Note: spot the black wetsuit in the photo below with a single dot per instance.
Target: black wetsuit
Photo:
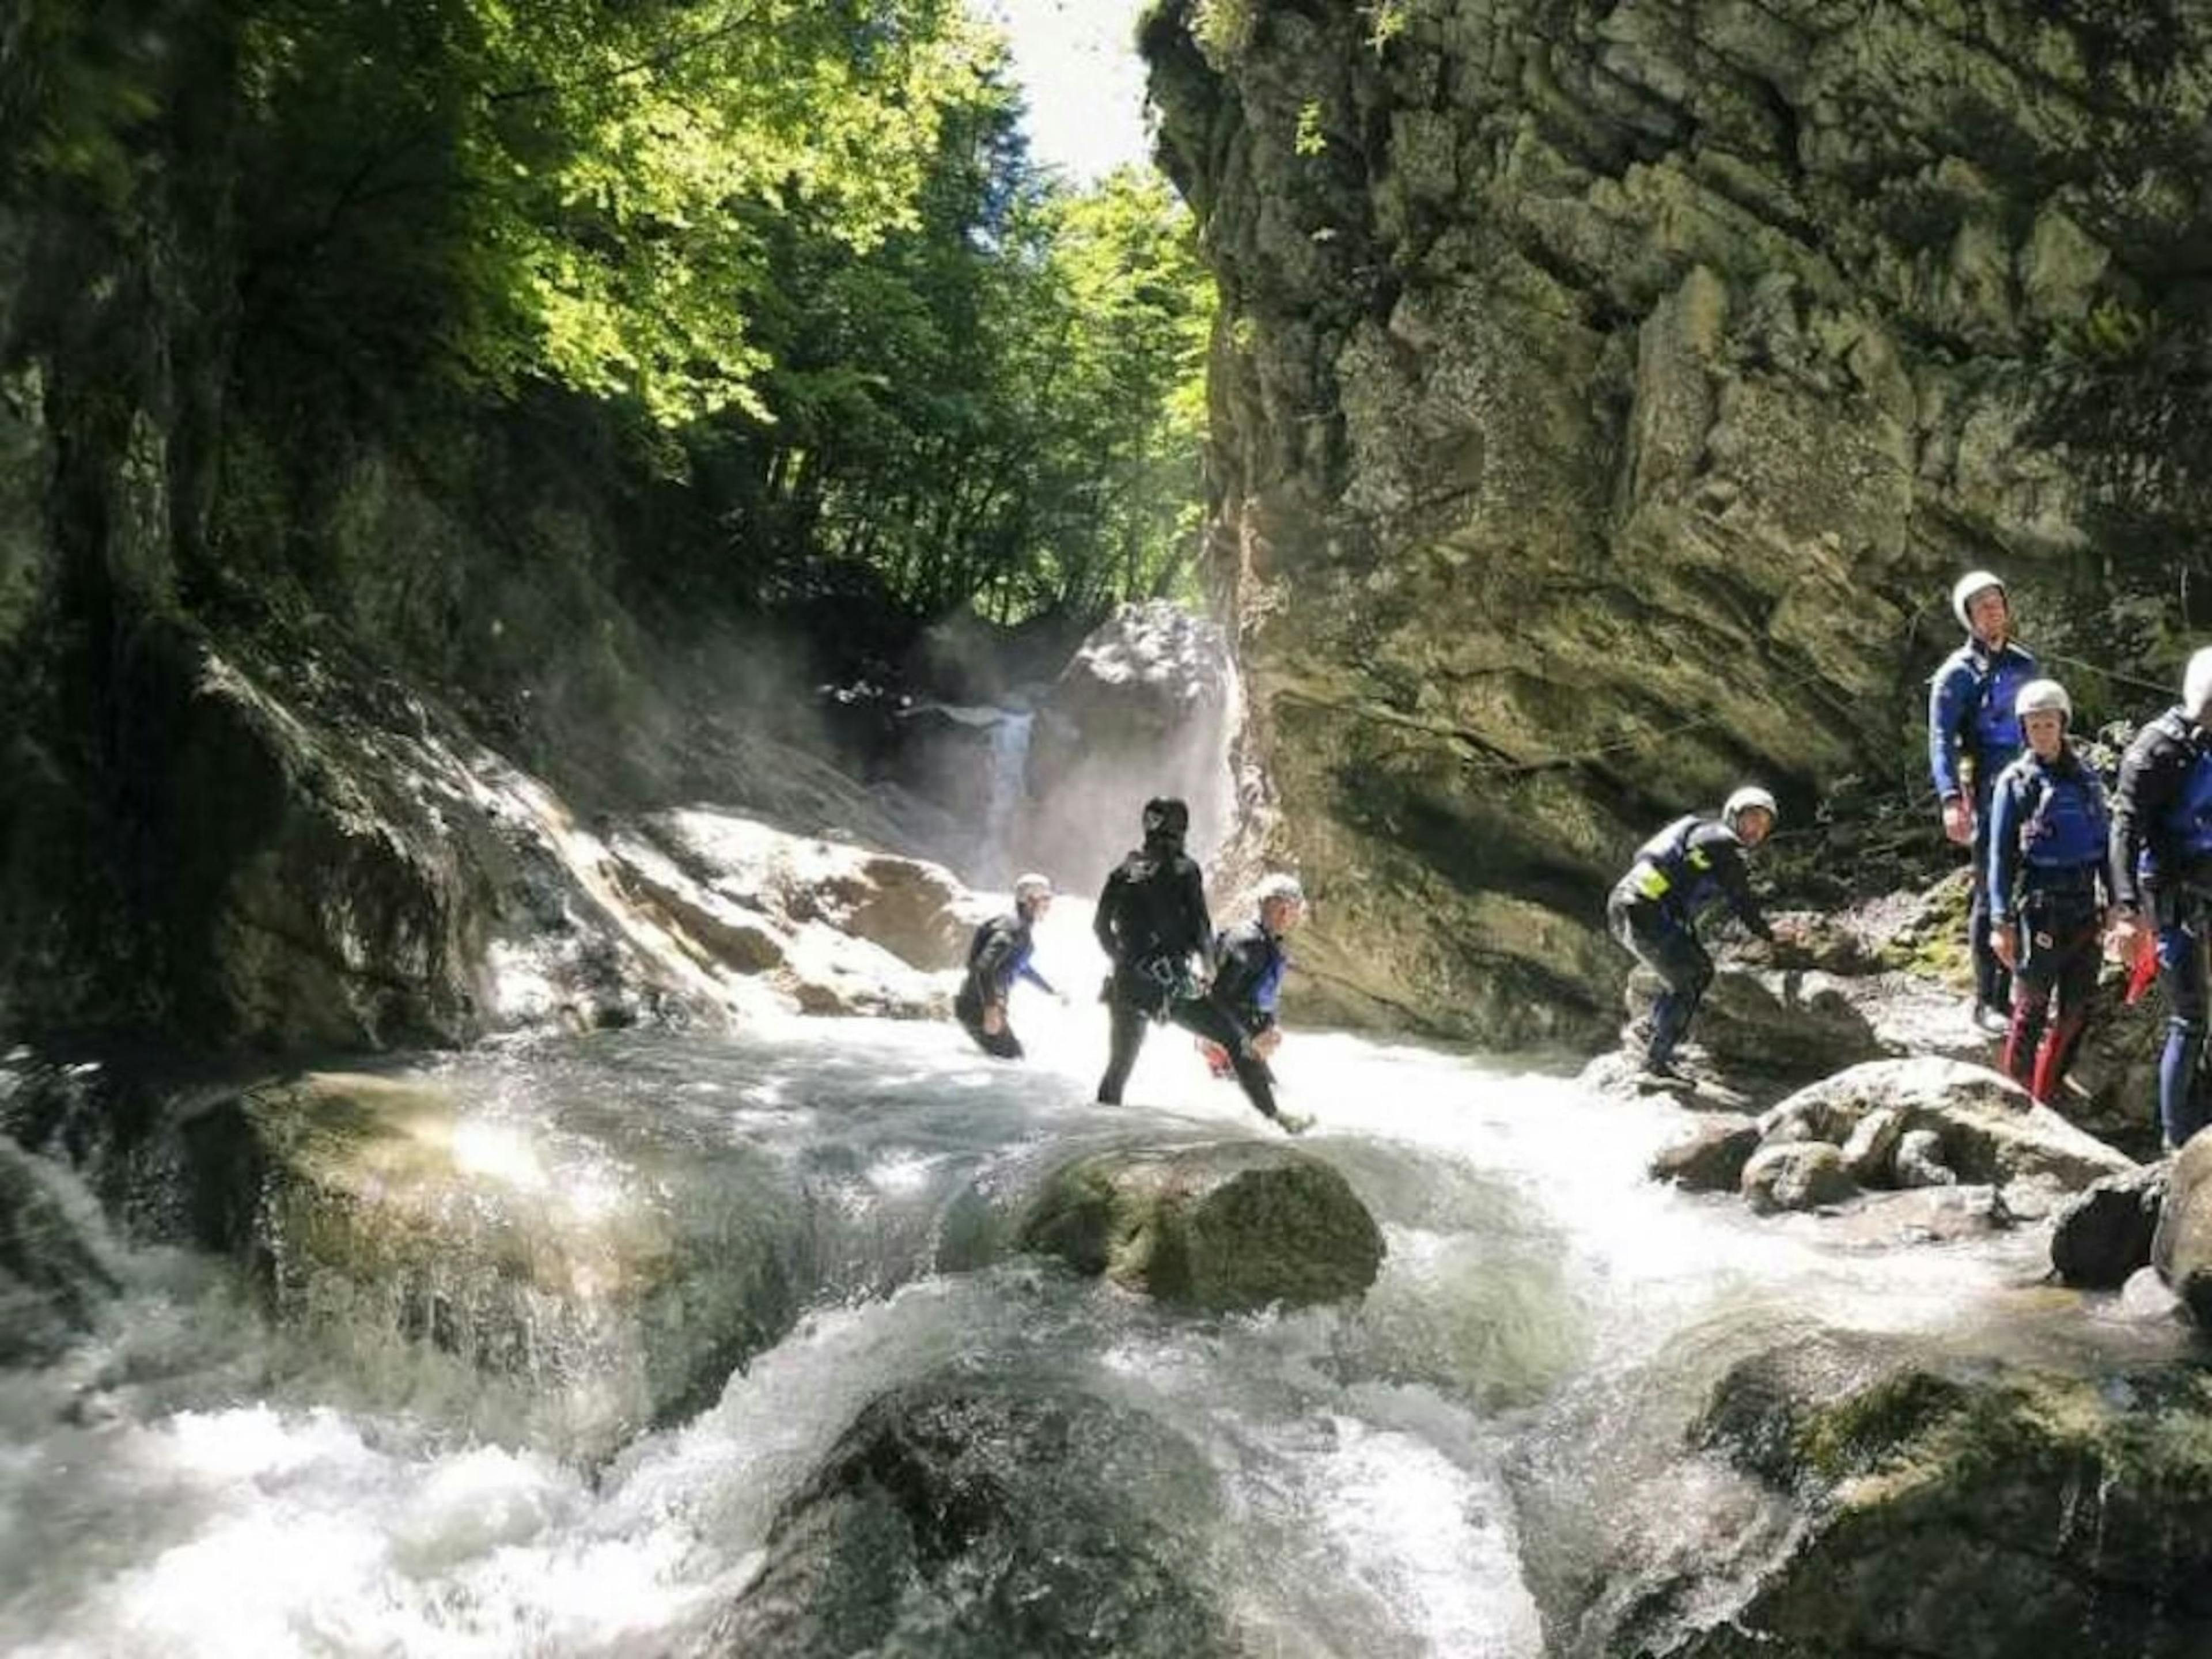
(997, 957)
(1249, 974)
(1693, 866)
(1151, 919)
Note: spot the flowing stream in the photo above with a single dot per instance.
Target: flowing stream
(1392, 1478)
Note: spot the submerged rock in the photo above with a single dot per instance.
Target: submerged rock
(385, 1214)
(1225, 1227)
(52, 1279)
(955, 1516)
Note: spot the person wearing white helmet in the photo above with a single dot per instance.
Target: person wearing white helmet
(2159, 866)
(1689, 869)
(2049, 834)
(1248, 983)
(1973, 734)
(998, 955)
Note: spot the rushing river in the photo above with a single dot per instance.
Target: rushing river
(1392, 1478)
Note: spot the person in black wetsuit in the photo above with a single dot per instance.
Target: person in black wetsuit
(998, 956)
(1693, 865)
(1151, 920)
(2159, 868)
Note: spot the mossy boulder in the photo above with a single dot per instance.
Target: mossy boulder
(1975, 1511)
(1224, 1227)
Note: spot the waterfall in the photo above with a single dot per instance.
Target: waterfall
(1008, 790)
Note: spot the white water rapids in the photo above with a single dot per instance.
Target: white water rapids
(186, 1484)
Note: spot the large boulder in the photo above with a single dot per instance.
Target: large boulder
(1607, 393)
(1144, 710)
(2101, 1236)
(2182, 1249)
(1990, 1132)
(602, 1288)
(955, 1516)
(1971, 1509)
(1224, 1227)
(1796, 1175)
(1774, 1023)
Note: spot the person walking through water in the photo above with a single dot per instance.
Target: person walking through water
(2160, 871)
(1248, 980)
(2049, 836)
(1973, 734)
(998, 955)
(1692, 866)
(1151, 920)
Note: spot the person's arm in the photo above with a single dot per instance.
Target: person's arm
(1948, 694)
(2149, 772)
(2004, 849)
(1103, 918)
(1028, 971)
(1235, 970)
(1201, 918)
(1727, 855)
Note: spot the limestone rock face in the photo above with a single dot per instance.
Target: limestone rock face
(1606, 394)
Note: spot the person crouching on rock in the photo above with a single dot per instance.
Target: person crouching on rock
(1247, 980)
(2049, 834)
(2160, 870)
(998, 956)
(1692, 867)
(1151, 920)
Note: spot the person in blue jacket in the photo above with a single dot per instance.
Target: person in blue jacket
(998, 955)
(1247, 980)
(1692, 866)
(2160, 870)
(2049, 832)
(1973, 734)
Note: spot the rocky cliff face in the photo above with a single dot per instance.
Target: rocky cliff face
(1608, 393)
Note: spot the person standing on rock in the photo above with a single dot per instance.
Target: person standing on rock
(998, 956)
(2160, 869)
(2049, 836)
(1692, 866)
(1151, 920)
(1973, 734)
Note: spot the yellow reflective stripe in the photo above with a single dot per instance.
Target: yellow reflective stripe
(1650, 881)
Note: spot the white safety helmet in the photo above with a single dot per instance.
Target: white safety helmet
(1281, 885)
(1032, 886)
(1963, 591)
(2038, 696)
(1744, 800)
(2196, 685)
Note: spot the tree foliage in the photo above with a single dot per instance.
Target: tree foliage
(800, 240)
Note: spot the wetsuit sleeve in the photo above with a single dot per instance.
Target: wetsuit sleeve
(1201, 919)
(1948, 696)
(2150, 772)
(1104, 918)
(1735, 884)
(2005, 848)
(1030, 973)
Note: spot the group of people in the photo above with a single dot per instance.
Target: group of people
(1168, 964)
(2062, 873)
